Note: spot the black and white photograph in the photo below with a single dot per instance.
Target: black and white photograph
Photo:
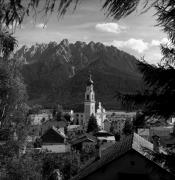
(87, 89)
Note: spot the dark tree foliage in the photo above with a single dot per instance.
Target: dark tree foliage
(128, 127)
(170, 162)
(111, 129)
(92, 124)
(139, 120)
(157, 97)
(24, 167)
(117, 136)
(67, 117)
(55, 161)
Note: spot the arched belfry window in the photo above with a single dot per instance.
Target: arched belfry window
(87, 97)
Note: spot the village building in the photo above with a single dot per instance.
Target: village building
(126, 159)
(101, 115)
(82, 118)
(118, 124)
(74, 131)
(165, 133)
(118, 117)
(53, 122)
(55, 141)
(84, 142)
(120, 114)
(39, 118)
(144, 132)
(38, 130)
(161, 130)
(107, 125)
(104, 136)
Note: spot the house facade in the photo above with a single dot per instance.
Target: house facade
(126, 160)
(55, 141)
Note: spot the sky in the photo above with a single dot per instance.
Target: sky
(135, 34)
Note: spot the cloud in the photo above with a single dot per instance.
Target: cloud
(157, 42)
(153, 56)
(110, 27)
(41, 25)
(135, 44)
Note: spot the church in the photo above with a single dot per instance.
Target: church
(90, 108)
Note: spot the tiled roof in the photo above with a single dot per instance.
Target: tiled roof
(133, 141)
(53, 135)
(83, 138)
(58, 132)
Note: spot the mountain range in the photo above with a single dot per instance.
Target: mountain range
(57, 73)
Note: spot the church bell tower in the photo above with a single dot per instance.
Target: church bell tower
(89, 103)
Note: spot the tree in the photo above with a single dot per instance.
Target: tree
(58, 113)
(67, 117)
(156, 99)
(24, 167)
(92, 124)
(128, 127)
(55, 161)
(112, 128)
(139, 120)
(159, 79)
(37, 143)
(117, 136)
(170, 161)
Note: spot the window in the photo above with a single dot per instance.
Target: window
(87, 97)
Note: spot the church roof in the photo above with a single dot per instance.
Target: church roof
(131, 142)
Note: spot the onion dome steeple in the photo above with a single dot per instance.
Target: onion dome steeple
(89, 81)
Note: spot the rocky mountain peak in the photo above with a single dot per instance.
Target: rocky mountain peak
(80, 44)
(64, 42)
(58, 72)
(91, 45)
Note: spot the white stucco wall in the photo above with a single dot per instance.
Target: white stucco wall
(58, 148)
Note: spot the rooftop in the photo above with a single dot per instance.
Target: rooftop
(103, 133)
(83, 138)
(133, 141)
(53, 135)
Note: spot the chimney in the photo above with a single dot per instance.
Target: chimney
(156, 143)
